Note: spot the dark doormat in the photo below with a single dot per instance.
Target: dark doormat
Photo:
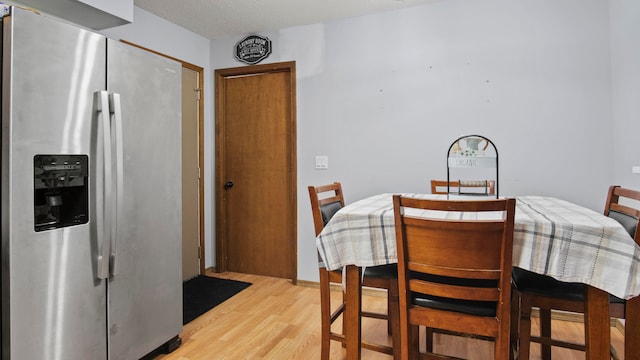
(203, 293)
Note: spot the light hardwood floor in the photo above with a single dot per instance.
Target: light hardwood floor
(273, 319)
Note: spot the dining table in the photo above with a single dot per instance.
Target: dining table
(552, 237)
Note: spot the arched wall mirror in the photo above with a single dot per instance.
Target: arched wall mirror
(472, 167)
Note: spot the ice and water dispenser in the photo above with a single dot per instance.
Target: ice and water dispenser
(61, 184)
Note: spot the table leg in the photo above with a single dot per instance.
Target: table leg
(597, 331)
(352, 312)
(632, 328)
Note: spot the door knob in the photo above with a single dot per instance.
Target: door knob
(228, 185)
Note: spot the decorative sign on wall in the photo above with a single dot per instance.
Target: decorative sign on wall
(473, 161)
(253, 49)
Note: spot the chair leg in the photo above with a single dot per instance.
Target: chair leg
(515, 322)
(414, 343)
(389, 306)
(545, 333)
(429, 339)
(501, 346)
(524, 338)
(325, 314)
(344, 318)
(393, 310)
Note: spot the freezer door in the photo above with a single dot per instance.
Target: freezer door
(145, 291)
(53, 305)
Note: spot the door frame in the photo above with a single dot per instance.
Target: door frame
(221, 220)
(200, 72)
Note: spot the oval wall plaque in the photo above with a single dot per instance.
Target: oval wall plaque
(253, 49)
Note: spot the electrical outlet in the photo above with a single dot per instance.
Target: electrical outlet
(635, 169)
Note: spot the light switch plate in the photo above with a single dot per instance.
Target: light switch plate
(635, 169)
(322, 162)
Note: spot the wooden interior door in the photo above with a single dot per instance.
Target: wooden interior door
(190, 175)
(256, 214)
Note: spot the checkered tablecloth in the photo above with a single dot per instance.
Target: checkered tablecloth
(551, 236)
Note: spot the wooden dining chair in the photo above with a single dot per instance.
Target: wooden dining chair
(440, 186)
(454, 274)
(326, 200)
(469, 187)
(547, 293)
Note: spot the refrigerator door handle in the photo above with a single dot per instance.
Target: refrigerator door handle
(103, 176)
(116, 138)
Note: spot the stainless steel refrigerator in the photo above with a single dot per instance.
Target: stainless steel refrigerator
(91, 194)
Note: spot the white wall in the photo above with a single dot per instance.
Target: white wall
(535, 76)
(554, 83)
(549, 81)
(625, 60)
(385, 95)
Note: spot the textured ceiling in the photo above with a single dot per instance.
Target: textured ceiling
(215, 19)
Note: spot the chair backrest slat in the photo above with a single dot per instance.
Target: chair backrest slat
(624, 212)
(485, 187)
(326, 200)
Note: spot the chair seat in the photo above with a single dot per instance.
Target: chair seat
(479, 308)
(389, 271)
(542, 285)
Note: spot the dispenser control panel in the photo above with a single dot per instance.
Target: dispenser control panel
(61, 189)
